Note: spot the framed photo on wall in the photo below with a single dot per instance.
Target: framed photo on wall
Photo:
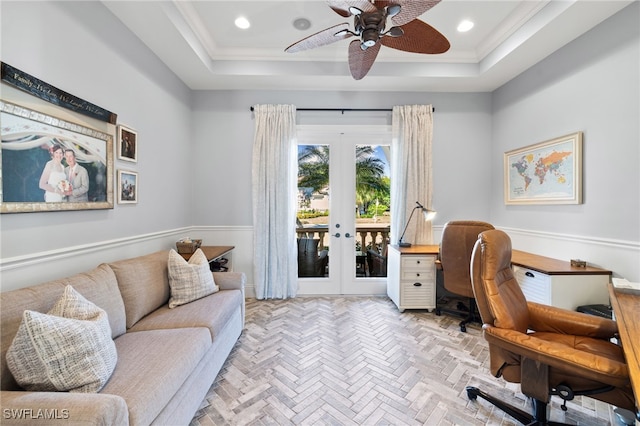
(127, 144)
(548, 172)
(51, 164)
(127, 187)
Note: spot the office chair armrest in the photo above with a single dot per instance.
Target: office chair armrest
(563, 321)
(582, 363)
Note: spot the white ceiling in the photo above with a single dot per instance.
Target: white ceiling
(199, 42)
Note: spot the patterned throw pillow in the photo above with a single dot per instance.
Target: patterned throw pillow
(191, 280)
(68, 349)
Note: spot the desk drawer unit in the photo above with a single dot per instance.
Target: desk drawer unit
(411, 281)
(566, 291)
(535, 285)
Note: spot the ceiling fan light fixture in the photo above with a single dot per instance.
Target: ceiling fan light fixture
(242, 23)
(465, 25)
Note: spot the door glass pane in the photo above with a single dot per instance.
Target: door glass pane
(373, 199)
(312, 223)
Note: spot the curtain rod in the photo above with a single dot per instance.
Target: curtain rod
(345, 109)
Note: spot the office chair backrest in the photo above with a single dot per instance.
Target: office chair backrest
(458, 239)
(498, 295)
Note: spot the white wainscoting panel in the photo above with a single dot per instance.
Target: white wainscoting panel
(35, 268)
(621, 257)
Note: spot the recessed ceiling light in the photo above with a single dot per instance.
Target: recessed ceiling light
(242, 23)
(465, 26)
(302, 24)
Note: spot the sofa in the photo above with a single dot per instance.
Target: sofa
(167, 359)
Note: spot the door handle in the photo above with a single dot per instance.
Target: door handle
(337, 235)
(348, 235)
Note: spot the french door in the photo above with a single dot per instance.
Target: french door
(343, 209)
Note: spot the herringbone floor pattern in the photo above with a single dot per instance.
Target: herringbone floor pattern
(359, 361)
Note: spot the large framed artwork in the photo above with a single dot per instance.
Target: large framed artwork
(50, 164)
(548, 172)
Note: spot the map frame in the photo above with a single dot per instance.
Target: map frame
(516, 190)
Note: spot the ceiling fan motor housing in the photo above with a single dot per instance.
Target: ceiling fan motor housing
(369, 26)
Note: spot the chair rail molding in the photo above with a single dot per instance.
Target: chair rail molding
(39, 267)
(622, 257)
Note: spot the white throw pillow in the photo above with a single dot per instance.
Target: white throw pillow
(68, 349)
(190, 280)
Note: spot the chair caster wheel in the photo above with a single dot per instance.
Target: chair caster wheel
(472, 392)
(463, 329)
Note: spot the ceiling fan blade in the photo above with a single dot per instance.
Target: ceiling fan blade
(410, 9)
(341, 7)
(360, 61)
(419, 37)
(322, 38)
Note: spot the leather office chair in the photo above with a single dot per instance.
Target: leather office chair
(310, 262)
(548, 350)
(458, 238)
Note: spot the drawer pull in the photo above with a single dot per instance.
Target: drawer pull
(529, 274)
(418, 262)
(417, 284)
(417, 274)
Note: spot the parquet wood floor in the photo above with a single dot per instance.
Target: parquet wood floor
(359, 361)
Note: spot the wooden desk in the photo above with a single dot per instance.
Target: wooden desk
(626, 307)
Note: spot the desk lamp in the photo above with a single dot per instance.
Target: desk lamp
(428, 215)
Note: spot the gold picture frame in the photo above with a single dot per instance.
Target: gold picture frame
(548, 172)
(32, 143)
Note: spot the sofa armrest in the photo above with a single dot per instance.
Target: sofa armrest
(230, 280)
(62, 408)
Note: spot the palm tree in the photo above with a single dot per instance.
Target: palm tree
(313, 172)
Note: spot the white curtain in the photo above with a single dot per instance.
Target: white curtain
(274, 196)
(411, 176)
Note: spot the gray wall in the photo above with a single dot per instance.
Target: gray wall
(81, 48)
(223, 134)
(593, 86)
(195, 147)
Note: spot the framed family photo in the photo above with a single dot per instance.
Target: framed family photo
(127, 187)
(51, 164)
(548, 172)
(127, 144)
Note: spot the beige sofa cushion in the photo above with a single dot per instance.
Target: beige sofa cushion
(152, 366)
(213, 312)
(68, 349)
(98, 286)
(144, 284)
(190, 280)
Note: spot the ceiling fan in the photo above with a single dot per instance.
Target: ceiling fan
(369, 24)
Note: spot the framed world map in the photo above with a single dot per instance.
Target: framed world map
(548, 172)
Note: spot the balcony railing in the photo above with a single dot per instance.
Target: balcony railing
(366, 234)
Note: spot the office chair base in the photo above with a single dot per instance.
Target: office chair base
(539, 416)
(470, 314)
